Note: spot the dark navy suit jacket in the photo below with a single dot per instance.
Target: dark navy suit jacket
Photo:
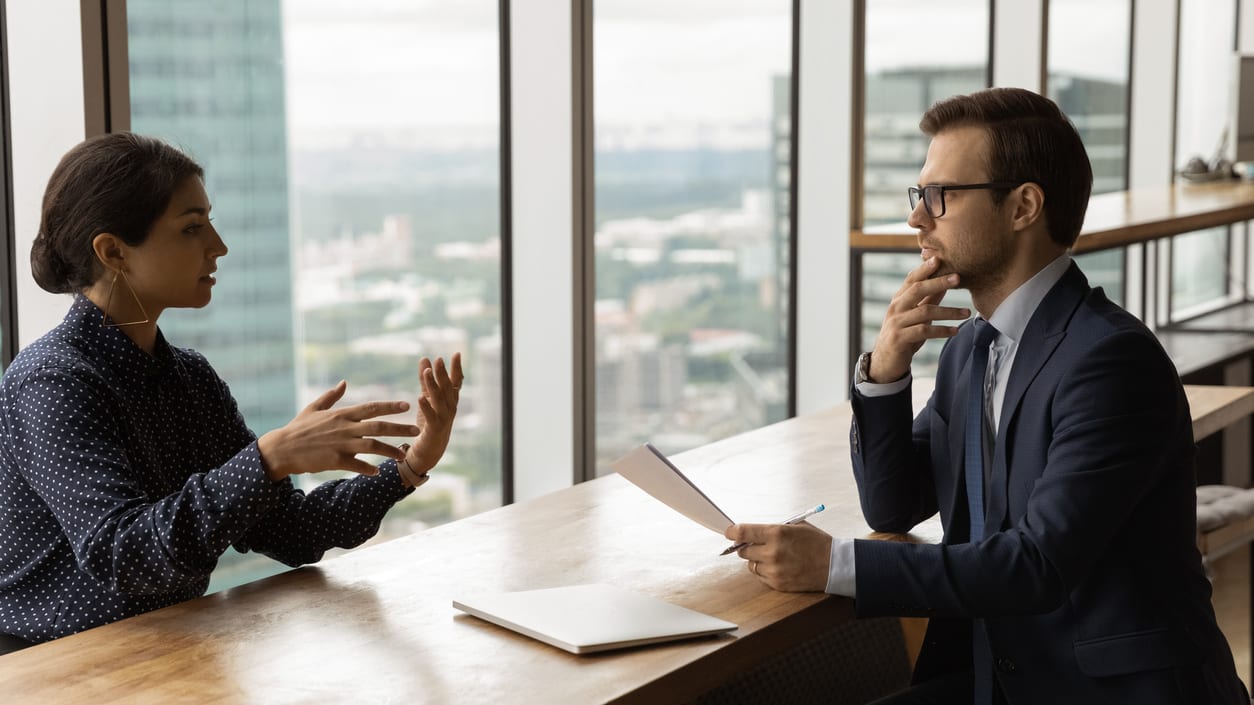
(1089, 579)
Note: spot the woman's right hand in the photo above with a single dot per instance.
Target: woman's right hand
(322, 438)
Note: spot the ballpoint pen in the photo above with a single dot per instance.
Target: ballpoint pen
(796, 519)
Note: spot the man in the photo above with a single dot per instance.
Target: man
(1058, 449)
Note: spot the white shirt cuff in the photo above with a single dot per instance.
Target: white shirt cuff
(872, 389)
(840, 571)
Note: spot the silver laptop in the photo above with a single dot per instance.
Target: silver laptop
(584, 619)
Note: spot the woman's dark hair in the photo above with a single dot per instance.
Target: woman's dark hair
(118, 183)
(1030, 139)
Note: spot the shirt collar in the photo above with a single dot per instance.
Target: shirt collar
(116, 347)
(1012, 316)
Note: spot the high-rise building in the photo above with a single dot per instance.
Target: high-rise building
(208, 78)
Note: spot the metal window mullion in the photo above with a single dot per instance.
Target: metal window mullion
(8, 273)
(583, 264)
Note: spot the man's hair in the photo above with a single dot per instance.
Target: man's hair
(1030, 139)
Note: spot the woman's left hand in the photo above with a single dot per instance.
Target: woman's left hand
(437, 407)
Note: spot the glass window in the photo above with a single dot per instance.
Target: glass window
(352, 157)
(1199, 264)
(1088, 67)
(1088, 78)
(692, 130)
(1199, 270)
(916, 54)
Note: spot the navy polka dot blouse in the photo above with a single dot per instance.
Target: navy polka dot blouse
(124, 476)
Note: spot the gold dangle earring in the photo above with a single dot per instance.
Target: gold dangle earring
(109, 299)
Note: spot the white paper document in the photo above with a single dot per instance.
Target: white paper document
(649, 470)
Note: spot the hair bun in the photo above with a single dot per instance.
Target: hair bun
(47, 267)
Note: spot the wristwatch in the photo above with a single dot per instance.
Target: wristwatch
(863, 372)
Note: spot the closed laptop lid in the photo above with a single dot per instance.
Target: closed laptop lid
(588, 618)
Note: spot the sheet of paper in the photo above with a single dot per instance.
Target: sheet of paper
(649, 470)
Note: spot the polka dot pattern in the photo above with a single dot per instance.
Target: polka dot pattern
(124, 477)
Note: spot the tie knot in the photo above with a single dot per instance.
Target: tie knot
(984, 333)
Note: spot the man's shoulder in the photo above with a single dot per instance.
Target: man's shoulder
(1103, 334)
(1098, 317)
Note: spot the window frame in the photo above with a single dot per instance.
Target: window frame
(1236, 290)
(584, 216)
(8, 254)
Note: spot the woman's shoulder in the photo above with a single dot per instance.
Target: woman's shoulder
(58, 348)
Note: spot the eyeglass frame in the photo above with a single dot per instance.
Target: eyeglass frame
(919, 193)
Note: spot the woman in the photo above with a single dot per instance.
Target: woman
(126, 469)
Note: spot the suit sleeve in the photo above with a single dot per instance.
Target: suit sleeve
(1118, 423)
(891, 461)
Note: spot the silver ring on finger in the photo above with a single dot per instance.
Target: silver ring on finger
(753, 567)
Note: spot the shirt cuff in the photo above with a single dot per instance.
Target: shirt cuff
(241, 485)
(841, 579)
(872, 389)
(389, 478)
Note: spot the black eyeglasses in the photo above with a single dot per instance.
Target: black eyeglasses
(933, 195)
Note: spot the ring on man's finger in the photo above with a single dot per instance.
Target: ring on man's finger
(753, 567)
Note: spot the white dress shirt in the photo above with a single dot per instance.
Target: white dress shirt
(1010, 319)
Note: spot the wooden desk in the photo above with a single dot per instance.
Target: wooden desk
(377, 625)
(1116, 219)
(1215, 407)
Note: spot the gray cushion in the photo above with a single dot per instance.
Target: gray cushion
(1218, 505)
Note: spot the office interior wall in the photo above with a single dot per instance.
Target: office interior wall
(545, 365)
(47, 108)
(1245, 26)
(1152, 126)
(1018, 44)
(823, 202)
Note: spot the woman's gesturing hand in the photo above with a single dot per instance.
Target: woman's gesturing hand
(322, 438)
(437, 407)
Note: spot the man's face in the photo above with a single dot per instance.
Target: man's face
(973, 238)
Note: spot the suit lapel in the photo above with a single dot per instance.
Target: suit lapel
(1045, 330)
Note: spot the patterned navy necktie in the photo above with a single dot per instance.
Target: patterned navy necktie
(974, 449)
(982, 657)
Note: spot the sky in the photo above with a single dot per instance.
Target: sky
(428, 69)
(433, 64)
(390, 64)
